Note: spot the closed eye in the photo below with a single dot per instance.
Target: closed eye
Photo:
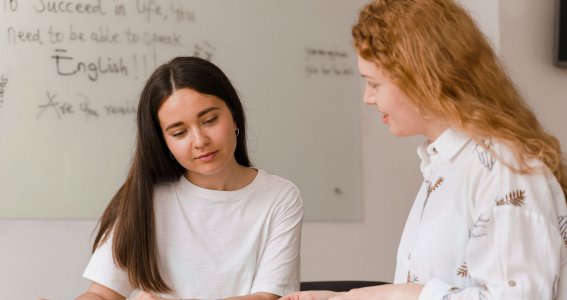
(372, 85)
(211, 120)
(178, 133)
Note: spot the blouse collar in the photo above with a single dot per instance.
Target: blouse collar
(443, 149)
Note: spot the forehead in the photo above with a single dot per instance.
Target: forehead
(189, 100)
(369, 68)
(187, 104)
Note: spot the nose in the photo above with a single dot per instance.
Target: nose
(369, 97)
(200, 138)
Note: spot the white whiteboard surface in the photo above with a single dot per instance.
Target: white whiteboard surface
(66, 135)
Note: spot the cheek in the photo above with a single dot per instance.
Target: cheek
(175, 146)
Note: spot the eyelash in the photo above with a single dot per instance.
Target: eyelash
(372, 85)
(209, 121)
(178, 133)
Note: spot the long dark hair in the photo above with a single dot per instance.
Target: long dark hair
(130, 214)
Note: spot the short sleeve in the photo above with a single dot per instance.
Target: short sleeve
(102, 269)
(278, 268)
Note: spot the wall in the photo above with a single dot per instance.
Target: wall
(46, 258)
(527, 32)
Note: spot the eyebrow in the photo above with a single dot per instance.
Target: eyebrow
(206, 111)
(173, 125)
(200, 114)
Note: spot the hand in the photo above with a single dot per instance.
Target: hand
(383, 292)
(310, 295)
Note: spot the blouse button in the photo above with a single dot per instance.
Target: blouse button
(512, 283)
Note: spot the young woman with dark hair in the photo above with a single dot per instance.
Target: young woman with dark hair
(193, 219)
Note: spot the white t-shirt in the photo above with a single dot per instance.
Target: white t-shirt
(479, 230)
(215, 244)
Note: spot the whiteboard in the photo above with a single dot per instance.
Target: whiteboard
(71, 72)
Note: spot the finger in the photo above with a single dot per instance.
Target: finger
(294, 296)
(342, 296)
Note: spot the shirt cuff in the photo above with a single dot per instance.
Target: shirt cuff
(434, 289)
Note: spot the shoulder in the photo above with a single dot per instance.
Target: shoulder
(275, 182)
(165, 195)
(164, 188)
(489, 156)
(498, 181)
(283, 192)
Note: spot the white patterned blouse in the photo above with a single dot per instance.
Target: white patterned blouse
(480, 230)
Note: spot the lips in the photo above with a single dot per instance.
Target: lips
(207, 156)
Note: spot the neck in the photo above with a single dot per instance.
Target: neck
(435, 130)
(232, 177)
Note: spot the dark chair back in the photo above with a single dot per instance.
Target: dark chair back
(337, 286)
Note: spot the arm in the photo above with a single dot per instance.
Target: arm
(311, 295)
(150, 296)
(381, 292)
(100, 292)
(255, 296)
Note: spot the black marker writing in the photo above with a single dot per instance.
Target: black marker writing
(119, 10)
(204, 51)
(153, 39)
(59, 108)
(86, 109)
(150, 8)
(15, 35)
(66, 65)
(181, 14)
(104, 35)
(128, 108)
(327, 62)
(55, 36)
(10, 5)
(331, 54)
(3, 84)
(69, 7)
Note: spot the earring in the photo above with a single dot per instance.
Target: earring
(237, 131)
(171, 156)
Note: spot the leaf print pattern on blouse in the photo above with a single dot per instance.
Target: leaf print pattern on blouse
(463, 271)
(452, 291)
(483, 291)
(484, 154)
(515, 198)
(563, 228)
(412, 278)
(430, 190)
(479, 227)
(435, 186)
